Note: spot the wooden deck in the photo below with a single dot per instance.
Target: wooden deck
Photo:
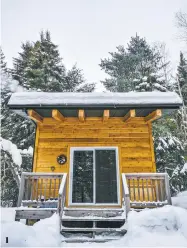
(42, 194)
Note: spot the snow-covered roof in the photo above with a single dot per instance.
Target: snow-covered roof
(131, 99)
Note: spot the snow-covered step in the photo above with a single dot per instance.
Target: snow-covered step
(92, 229)
(89, 240)
(90, 209)
(82, 212)
(93, 218)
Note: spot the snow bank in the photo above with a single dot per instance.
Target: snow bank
(180, 200)
(8, 146)
(166, 226)
(184, 168)
(42, 234)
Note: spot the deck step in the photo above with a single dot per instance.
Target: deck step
(83, 212)
(93, 218)
(92, 209)
(88, 240)
(92, 229)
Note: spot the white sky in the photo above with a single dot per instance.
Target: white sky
(86, 30)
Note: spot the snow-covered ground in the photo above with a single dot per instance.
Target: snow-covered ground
(180, 200)
(166, 227)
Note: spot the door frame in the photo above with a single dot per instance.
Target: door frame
(93, 148)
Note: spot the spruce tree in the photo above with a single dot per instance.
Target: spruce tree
(169, 151)
(40, 67)
(20, 132)
(182, 77)
(3, 63)
(20, 63)
(139, 67)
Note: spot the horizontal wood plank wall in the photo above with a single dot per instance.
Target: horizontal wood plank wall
(134, 140)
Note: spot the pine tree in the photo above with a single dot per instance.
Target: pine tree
(3, 63)
(150, 83)
(169, 152)
(75, 82)
(137, 68)
(39, 67)
(17, 130)
(141, 67)
(20, 63)
(182, 77)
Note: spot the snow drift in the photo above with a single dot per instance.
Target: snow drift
(166, 226)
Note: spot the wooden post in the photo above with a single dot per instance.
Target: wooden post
(21, 190)
(126, 194)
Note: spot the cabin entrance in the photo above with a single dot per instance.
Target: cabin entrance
(94, 176)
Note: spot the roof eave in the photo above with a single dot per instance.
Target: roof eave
(97, 106)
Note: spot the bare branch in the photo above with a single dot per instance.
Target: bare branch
(181, 23)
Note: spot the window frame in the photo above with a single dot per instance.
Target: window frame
(94, 148)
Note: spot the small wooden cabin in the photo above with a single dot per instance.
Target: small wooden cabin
(100, 144)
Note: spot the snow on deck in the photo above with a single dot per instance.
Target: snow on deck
(66, 99)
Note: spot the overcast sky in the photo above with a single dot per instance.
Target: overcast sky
(86, 30)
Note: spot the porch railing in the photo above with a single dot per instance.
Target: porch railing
(40, 189)
(62, 199)
(146, 189)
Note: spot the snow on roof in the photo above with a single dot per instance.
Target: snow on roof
(94, 99)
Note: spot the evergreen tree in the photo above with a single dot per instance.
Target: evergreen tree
(182, 77)
(169, 153)
(20, 63)
(141, 67)
(3, 63)
(137, 68)
(17, 130)
(39, 67)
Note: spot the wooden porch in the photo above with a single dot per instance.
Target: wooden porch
(45, 193)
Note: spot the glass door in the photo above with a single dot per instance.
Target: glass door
(94, 176)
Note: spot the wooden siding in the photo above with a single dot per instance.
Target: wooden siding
(133, 139)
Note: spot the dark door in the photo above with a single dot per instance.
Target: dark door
(94, 176)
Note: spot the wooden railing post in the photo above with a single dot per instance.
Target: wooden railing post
(21, 189)
(61, 199)
(168, 195)
(126, 194)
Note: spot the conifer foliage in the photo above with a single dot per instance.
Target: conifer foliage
(14, 129)
(139, 67)
(182, 77)
(39, 67)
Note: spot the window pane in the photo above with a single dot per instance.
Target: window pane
(106, 180)
(82, 177)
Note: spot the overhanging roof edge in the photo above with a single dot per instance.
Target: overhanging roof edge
(96, 106)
